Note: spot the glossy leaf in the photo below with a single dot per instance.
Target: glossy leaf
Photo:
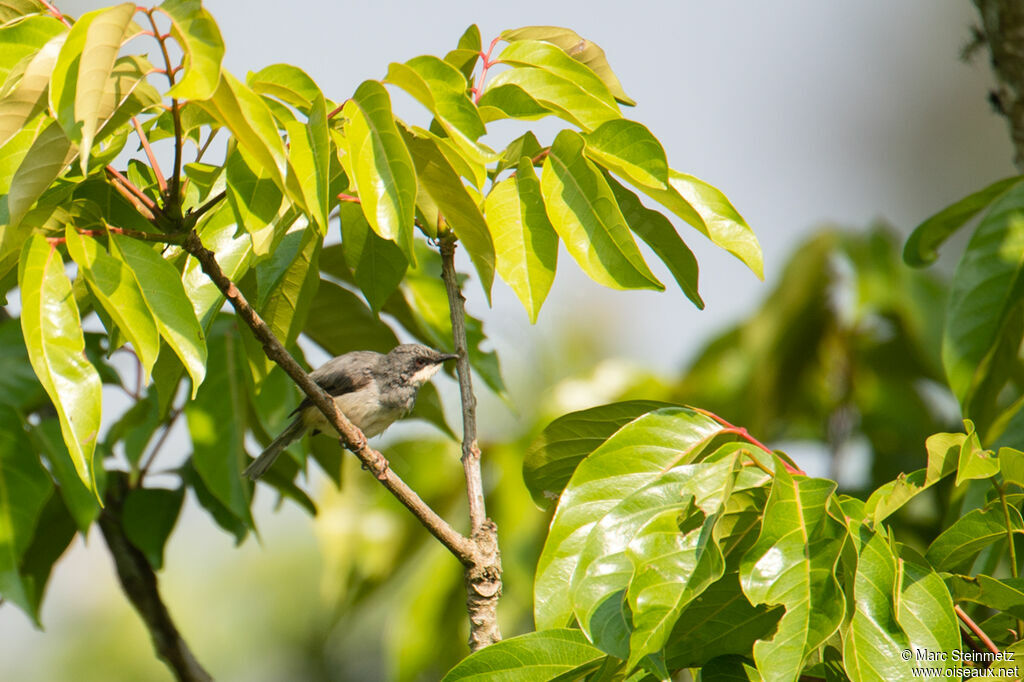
(220, 234)
(21, 40)
(309, 157)
(526, 245)
(578, 48)
(24, 490)
(199, 38)
(464, 56)
(438, 178)
(119, 294)
(673, 554)
(382, 168)
(658, 233)
(217, 423)
(248, 118)
(984, 321)
(165, 296)
(149, 516)
(630, 148)
(637, 455)
(26, 99)
(534, 657)
(56, 348)
(288, 83)
(564, 443)
(793, 563)
(958, 546)
(922, 246)
(441, 88)
(82, 69)
(511, 100)
(586, 216)
(81, 503)
(377, 265)
(974, 462)
(1000, 594)
(43, 162)
(558, 81)
(255, 198)
(926, 609)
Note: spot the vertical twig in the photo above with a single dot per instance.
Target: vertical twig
(140, 584)
(483, 577)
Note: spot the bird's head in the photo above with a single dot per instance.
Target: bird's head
(416, 363)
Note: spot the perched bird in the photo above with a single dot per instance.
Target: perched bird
(371, 389)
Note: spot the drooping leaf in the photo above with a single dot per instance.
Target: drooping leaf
(437, 177)
(638, 454)
(56, 348)
(586, 216)
(578, 48)
(219, 233)
(24, 490)
(150, 515)
(21, 40)
(54, 532)
(26, 99)
(923, 244)
(793, 563)
(80, 74)
(550, 654)
(164, 293)
(381, 167)
(630, 148)
(377, 264)
(118, 292)
(81, 503)
(217, 423)
(526, 245)
(564, 443)
(43, 162)
(199, 38)
(442, 89)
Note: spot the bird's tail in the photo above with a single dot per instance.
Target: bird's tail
(266, 459)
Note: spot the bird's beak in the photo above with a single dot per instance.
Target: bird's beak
(449, 356)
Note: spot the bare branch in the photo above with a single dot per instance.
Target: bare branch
(140, 585)
(483, 578)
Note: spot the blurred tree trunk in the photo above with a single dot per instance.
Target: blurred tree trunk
(1002, 24)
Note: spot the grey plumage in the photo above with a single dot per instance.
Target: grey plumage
(371, 389)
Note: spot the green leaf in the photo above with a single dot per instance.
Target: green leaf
(925, 608)
(309, 157)
(19, 387)
(150, 515)
(631, 149)
(658, 233)
(558, 81)
(958, 546)
(26, 99)
(56, 348)
(288, 83)
(54, 532)
(441, 88)
(162, 289)
(974, 461)
(526, 245)
(438, 178)
(1000, 594)
(118, 292)
(793, 563)
(255, 198)
(82, 69)
(465, 55)
(874, 641)
(511, 101)
(217, 423)
(24, 490)
(534, 657)
(922, 246)
(247, 116)
(81, 503)
(586, 216)
(720, 622)
(378, 265)
(638, 454)
(221, 514)
(673, 554)
(1011, 465)
(382, 168)
(339, 323)
(578, 48)
(219, 233)
(20, 41)
(985, 314)
(564, 443)
(43, 162)
(195, 31)
(125, 94)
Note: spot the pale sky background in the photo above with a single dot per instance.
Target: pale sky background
(803, 113)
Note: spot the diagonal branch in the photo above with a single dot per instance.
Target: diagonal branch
(351, 437)
(140, 585)
(483, 578)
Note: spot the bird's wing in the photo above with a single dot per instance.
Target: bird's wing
(343, 374)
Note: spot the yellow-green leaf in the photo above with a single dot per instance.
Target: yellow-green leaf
(196, 32)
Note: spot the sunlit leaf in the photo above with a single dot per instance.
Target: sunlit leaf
(378, 265)
(441, 88)
(199, 38)
(958, 546)
(534, 657)
(43, 162)
(26, 98)
(53, 336)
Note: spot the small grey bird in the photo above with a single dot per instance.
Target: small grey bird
(371, 389)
